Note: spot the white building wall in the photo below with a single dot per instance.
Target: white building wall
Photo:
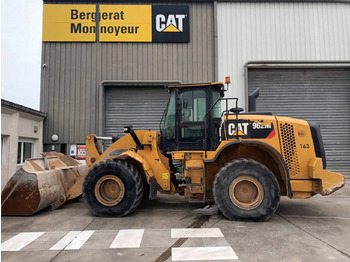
(9, 121)
(16, 126)
(279, 32)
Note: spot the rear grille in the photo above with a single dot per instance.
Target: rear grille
(290, 148)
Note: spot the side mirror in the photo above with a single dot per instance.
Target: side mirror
(236, 110)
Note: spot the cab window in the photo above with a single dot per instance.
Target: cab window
(169, 124)
(193, 110)
(193, 107)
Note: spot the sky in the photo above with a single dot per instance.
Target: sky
(21, 31)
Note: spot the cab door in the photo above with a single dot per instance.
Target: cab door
(192, 105)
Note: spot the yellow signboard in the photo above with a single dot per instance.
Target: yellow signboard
(69, 23)
(125, 23)
(115, 23)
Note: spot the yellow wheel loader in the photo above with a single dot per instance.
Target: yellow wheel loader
(242, 161)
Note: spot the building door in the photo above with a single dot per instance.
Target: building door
(321, 95)
(139, 106)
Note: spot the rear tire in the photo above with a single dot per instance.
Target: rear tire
(246, 190)
(112, 188)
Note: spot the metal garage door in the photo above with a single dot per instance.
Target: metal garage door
(141, 107)
(319, 95)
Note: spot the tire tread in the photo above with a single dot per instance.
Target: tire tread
(131, 174)
(224, 178)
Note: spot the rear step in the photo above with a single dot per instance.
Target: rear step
(195, 177)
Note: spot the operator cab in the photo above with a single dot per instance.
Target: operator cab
(193, 114)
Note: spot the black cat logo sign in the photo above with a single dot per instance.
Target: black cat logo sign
(170, 24)
(173, 23)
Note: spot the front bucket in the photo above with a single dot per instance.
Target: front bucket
(41, 183)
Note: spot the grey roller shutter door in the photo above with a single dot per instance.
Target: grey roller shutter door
(319, 95)
(141, 107)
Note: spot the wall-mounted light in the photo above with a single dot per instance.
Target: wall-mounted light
(36, 129)
(54, 138)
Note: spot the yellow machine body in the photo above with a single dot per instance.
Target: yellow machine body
(288, 152)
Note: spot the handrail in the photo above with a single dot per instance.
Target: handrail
(206, 119)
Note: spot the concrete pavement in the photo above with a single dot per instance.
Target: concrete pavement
(166, 229)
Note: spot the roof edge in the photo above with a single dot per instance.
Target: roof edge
(196, 85)
(20, 108)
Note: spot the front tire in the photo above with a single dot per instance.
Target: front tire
(246, 190)
(112, 188)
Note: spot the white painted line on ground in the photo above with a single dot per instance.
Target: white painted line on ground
(130, 238)
(195, 232)
(318, 217)
(60, 245)
(80, 240)
(20, 241)
(202, 253)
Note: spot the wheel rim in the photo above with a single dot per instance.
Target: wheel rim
(109, 190)
(246, 192)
